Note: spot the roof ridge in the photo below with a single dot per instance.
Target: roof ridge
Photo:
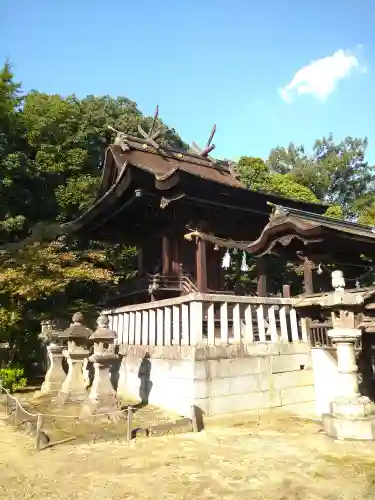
(320, 217)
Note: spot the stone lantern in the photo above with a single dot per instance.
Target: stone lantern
(74, 387)
(351, 415)
(55, 375)
(4, 346)
(102, 397)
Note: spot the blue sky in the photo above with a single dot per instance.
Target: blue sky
(208, 61)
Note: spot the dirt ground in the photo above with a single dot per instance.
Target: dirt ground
(277, 458)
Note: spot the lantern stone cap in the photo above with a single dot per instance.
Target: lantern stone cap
(50, 331)
(103, 332)
(77, 329)
(338, 333)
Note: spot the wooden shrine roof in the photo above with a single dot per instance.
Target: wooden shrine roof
(288, 223)
(136, 168)
(168, 163)
(165, 166)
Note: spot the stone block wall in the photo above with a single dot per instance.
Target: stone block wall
(326, 378)
(218, 379)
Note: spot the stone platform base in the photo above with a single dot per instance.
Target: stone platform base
(350, 419)
(50, 388)
(101, 407)
(70, 398)
(351, 428)
(217, 379)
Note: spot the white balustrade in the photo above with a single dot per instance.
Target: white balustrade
(208, 319)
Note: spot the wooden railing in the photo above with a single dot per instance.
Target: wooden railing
(317, 333)
(181, 282)
(209, 319)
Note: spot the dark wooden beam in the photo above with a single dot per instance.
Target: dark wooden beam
(201, 263)
(166, 255)
(308, 276)
(140, 263)
(262, 277)
(175, 254)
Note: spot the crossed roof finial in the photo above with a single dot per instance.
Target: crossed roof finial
(151, 136)
(208, 148)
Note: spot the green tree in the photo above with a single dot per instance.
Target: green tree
(51, 150)
(335, 172)
(257, 176)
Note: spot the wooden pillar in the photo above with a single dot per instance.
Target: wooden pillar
(308, 276)
(262, 277)
(201, 265)
(214, 271)
(221, 271)
(166, 255)
(175, 254)
(140, 263)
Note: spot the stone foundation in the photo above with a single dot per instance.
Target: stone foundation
(219, 379)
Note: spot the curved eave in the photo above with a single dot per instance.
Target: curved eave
(120, 180)
(168, 172)
(103, 204)
(284, 227)
(308, 231)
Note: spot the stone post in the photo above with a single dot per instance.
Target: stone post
(55, 375)
(102, 397)
(352, 416)
(74, 387)
(86, 372)
(344, 341)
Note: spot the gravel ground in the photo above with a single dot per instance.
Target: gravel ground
(277, 458)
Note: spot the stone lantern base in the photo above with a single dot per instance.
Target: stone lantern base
(102, 397)
(352, 416)
(351, 419)
(73, 389)
(55, 375)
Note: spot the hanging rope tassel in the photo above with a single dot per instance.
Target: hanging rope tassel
(226, 260)
(244, 266)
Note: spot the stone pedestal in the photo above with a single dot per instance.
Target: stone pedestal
(73, 389)
(352, 416)
(55, 375)
(86, 372)
(102, 397)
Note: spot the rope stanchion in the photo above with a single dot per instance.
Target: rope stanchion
(130, 424)
(20, 415)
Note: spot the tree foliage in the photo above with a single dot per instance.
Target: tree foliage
(336, 173)
(257, 176)
(51, 150)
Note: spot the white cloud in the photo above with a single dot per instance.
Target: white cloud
(319, 78)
